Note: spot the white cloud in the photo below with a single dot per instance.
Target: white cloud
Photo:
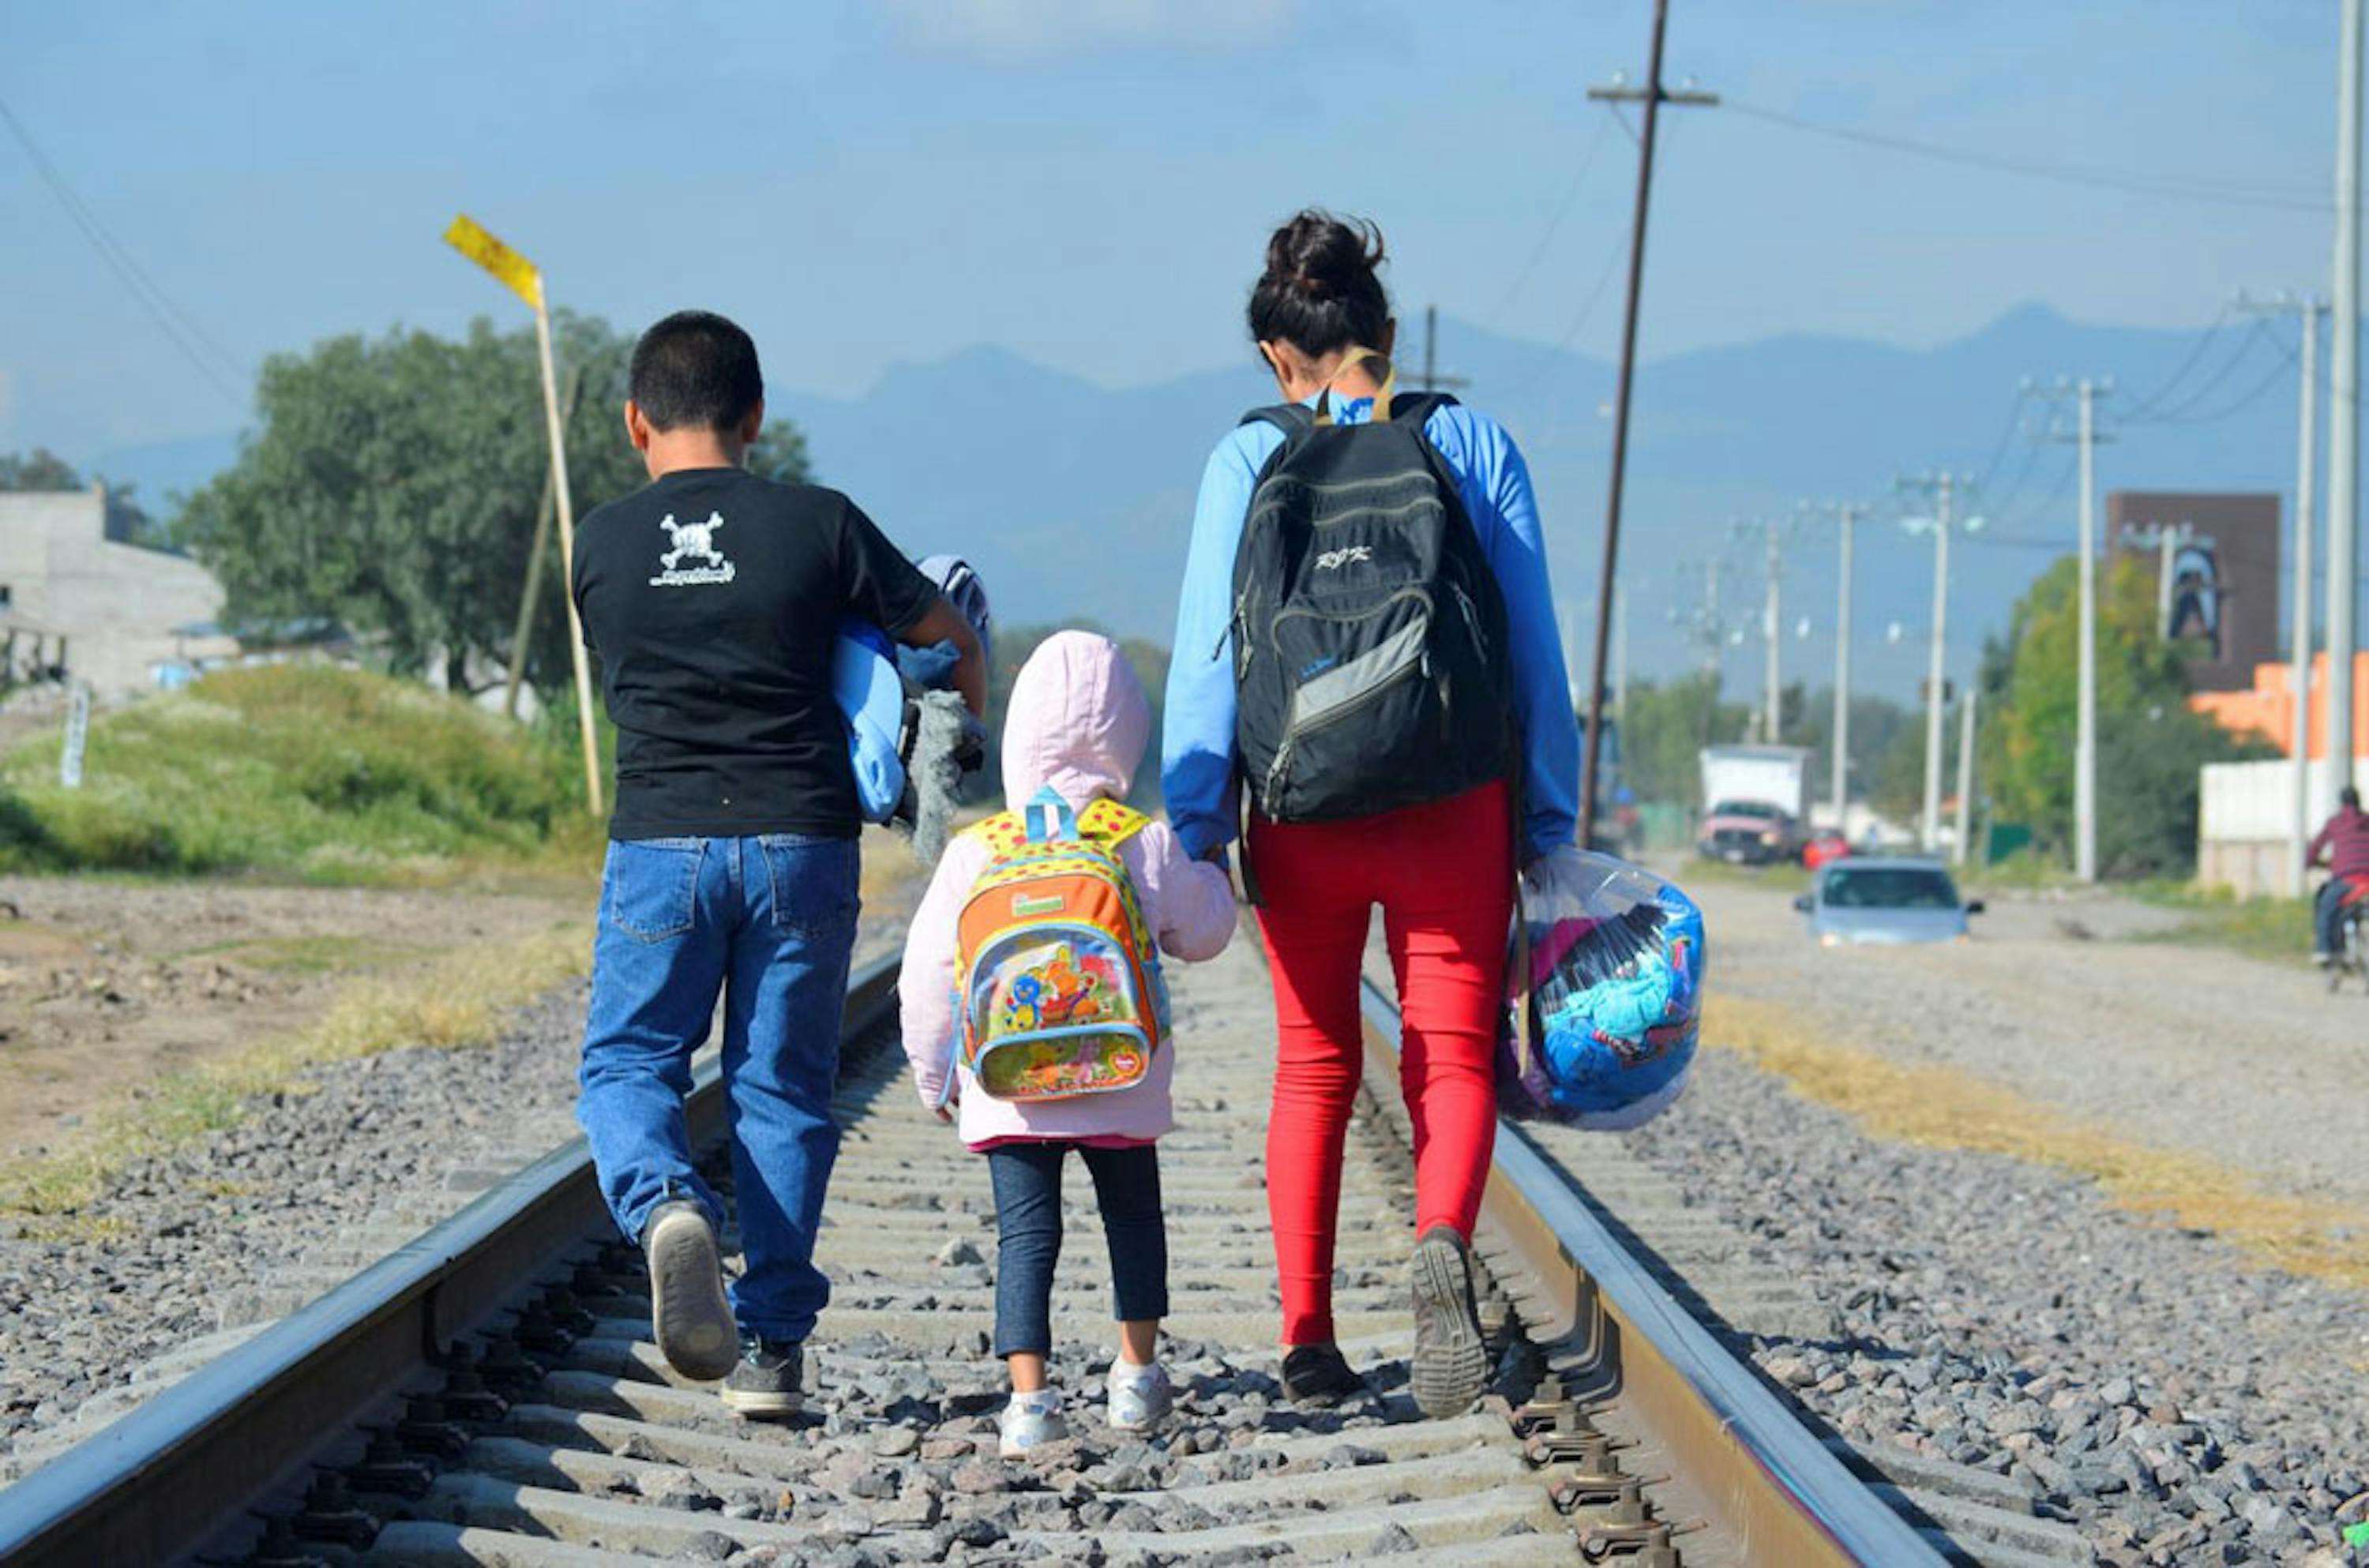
(1015, 31)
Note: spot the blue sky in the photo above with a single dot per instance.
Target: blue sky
(1088, 182)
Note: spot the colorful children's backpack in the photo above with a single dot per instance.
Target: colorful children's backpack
(1057, 977)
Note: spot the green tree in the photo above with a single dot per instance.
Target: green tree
(391, 485)
(1668, 726)
(2150, 743)
(39, 469)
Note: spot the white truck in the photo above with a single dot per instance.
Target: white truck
(1755, 803)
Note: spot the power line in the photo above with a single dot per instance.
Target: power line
(2007, 433)
(2245, 400)
(1562, 212)
(2196, 351)
(2230, 193)
(1612, 260)
(2228, 367)
(174, 322)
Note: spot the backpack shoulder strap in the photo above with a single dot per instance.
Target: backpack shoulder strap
(1417, 407)
(1289, 417)
(1047, 818)
(1110, 824)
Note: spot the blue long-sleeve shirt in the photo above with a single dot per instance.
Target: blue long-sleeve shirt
(1196, 770)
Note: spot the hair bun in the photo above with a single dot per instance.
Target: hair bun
(1321, 290)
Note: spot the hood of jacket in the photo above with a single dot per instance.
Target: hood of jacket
(1078, 720)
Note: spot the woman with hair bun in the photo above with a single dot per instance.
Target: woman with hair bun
(1367, 678)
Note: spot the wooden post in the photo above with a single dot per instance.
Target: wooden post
(535, 557)
(568, 557)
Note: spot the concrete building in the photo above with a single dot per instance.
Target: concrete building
(106, 611)
(2266, 709)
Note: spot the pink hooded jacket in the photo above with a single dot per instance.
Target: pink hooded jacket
(1079, 722)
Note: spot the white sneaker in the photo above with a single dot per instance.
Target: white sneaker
(1029, 1420)
(1140, 1397)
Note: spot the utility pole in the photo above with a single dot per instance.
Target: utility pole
(2086, 392)
(1966, 774)
(1945, 488)
(1432, 380)
(1839, 779)
(2344, 441)
(1653, 97)
(2307, 523)
(1770, 626)
(1620, 654)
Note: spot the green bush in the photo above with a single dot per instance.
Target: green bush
(308, 771)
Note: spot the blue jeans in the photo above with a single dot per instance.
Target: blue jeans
(1027, 1182)
(768, 922)
(2328, 914)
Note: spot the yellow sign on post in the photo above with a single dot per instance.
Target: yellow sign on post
(523, 279)
(515, 272)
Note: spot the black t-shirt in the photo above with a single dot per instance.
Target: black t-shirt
(713, 600)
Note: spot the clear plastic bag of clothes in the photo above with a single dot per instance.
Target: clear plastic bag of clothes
(1604, 993)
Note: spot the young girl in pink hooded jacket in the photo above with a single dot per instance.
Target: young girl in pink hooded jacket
(1078, 722)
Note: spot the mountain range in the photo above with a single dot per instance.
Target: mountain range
(1074, 501)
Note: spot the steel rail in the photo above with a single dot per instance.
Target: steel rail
(176, 1471)
(1774, 1487)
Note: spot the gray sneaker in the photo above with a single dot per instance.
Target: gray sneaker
(1451, 1359)
(768, 1379)
(1028, 1421)
(689, 1316)
(1140, 1397)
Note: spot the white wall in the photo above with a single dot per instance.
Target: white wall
(116, 604)
(2245, 814)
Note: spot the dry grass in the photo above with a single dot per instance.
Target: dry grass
(1943, 1108)
(456, 1001)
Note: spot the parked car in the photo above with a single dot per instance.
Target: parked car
(1867, 901)
(1747, 832)
(1824, 846)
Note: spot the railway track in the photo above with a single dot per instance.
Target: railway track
(488, 1394)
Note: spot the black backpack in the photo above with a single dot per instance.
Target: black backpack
(1370, 662)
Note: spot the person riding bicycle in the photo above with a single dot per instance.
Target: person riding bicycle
(2344, 844)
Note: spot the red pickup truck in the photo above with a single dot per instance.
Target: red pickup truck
(1748, 832)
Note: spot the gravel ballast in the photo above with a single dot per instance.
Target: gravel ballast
(181, 1253)
(2177, 1400)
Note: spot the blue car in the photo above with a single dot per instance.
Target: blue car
(1892, 902)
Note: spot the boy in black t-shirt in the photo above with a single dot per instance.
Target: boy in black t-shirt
(714, 599)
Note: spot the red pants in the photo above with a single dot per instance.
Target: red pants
(1443, 875)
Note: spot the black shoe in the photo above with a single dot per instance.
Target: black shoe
(1451, 1359)
(1316, 1377)
(769, 1377)
(689, 1316)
